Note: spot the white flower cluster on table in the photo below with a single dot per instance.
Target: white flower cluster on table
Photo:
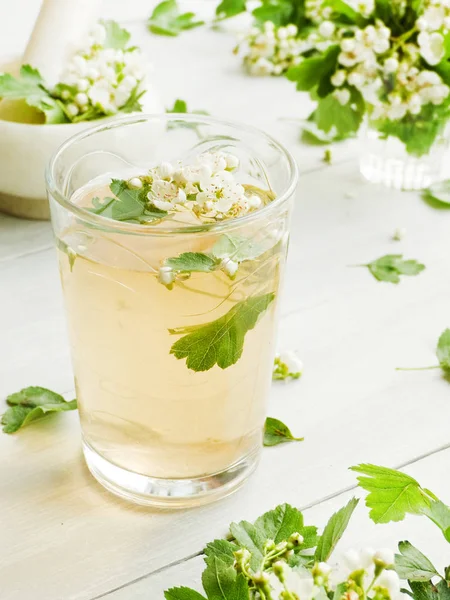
(101, 79)
(366, 575)
(271, 50)
(208, 187)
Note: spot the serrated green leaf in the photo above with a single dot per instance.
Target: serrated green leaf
(310, 71)
(30, 404)
(133, 103)
(443, 350)
(392, 494)
(131, 205)
(412, 564)
(280, 523)
(439, 513)
(166, 19)
(220, 342)
(222, 582)
(29, 86)
(341, 121)
(230, 8)
(239, 248)
(334, 530)
(276, 432)
(116, 37)
(222, 549)
(280, 12)
(188, 262)
(182, 593)
(252, 538)
(425, 590)
(391, 266)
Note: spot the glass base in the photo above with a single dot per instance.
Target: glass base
(169, 493)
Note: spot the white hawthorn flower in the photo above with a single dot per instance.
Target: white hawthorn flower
(229, 267)
(390, 65)
(432, 18)
(431, 47)
(166, 275)
(292, 361)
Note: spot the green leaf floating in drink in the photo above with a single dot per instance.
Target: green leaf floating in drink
(220, 342)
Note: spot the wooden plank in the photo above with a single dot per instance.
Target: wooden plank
(351, 404)
(361, 533)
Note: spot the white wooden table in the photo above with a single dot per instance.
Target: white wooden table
(62, 537)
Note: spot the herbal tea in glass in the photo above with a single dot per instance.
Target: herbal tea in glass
(171, 274)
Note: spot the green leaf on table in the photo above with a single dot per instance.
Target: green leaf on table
(334, 530)
(166, 19)
(30, 87)
(230, 8)
(188, 262)
(182, 593)
(438, 192)
(220, 342)
(391, 266)
(310, 71)
(340, 121)
(222, 582)
(276, 432)
(116, 37)
(443, 350)
(392, 494)
(30, 404)
(253, 538)
(412, 564)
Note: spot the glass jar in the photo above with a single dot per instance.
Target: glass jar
(172, 381)
(385, 159)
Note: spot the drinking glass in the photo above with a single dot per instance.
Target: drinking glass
(172, 381)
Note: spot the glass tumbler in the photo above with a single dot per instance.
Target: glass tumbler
(172, 381)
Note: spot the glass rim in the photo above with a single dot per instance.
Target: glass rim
(135, 228)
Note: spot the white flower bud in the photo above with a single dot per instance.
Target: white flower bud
(385, 556)
(292, 361)
(65, 94)
(165, 170)
(292, 30)
(254, 202)
(356, 79)
(324, 568)
(338, 78)
(92, 73)
(282, 33)
(348, 44)
(390, 65)
(390, 581)
(269, 26)
(81, 99)
(82, 85)
(326, 29)
(342, 96)
(399, 234)
(72, 110)
(135, 182)
(352, 559)
(166, 275)
(232, 161)
(229, 266)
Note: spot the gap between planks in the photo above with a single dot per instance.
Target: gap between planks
(303, 508)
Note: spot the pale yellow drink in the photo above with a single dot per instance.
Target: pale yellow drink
(141, 408)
